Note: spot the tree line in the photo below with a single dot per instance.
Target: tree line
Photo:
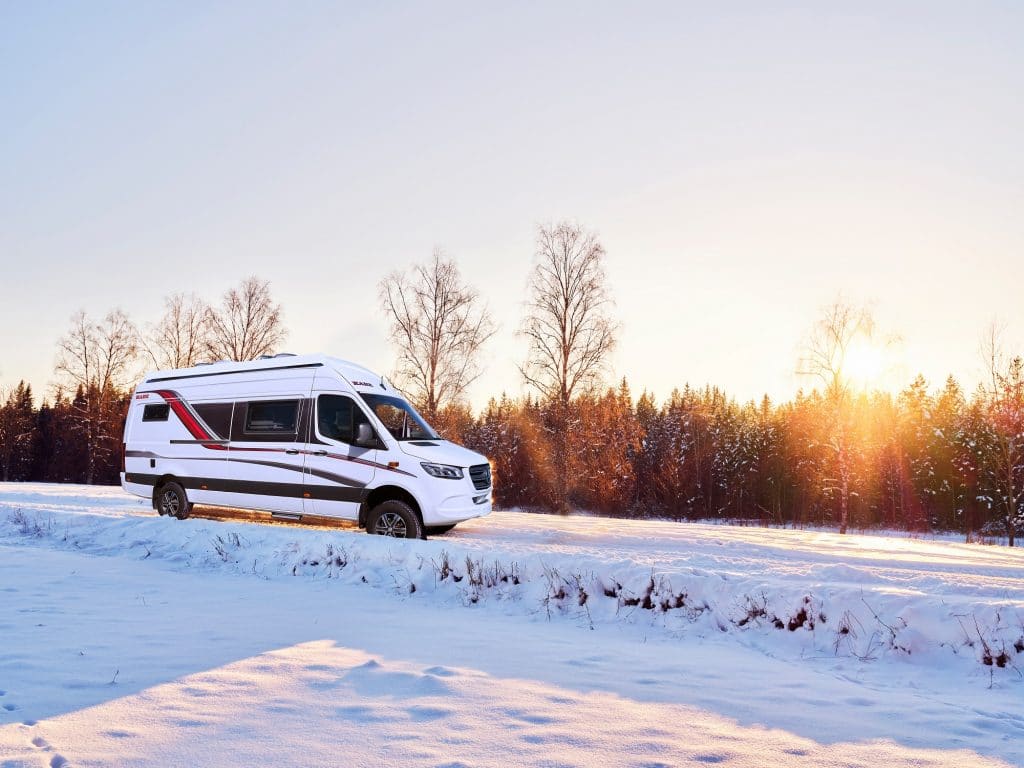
(838, 455)
(915, 461)
(76, 437)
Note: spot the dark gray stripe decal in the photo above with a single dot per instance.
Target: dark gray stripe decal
(323, 474)
(260, 488)
(143, 455)
(224, 444)
(315, 472)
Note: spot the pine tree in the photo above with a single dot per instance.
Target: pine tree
(16, 433)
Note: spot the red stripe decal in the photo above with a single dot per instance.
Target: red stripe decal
(194, 428)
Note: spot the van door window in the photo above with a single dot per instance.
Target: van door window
(338, 417)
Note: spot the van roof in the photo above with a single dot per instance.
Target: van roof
(351, 371)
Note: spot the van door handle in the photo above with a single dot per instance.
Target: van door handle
(319, 453)
(291, 451)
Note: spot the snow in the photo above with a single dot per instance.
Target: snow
(129, 639)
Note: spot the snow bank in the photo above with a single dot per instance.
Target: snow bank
(787, 593)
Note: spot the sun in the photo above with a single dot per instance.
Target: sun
(864, 364)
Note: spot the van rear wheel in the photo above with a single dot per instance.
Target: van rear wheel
(172, 501)
(396, 519)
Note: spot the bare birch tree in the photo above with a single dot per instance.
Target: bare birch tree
(567, 324)
(439, 325)
(179, 338)
(247, 323)
(95, 358)
(1004, 403)
(98, 354)
(569, 330)
(825, 357)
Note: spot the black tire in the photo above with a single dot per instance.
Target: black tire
(395, 518)
(438, 530)
(172, 501)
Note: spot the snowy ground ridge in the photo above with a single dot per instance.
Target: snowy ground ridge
(861, 621)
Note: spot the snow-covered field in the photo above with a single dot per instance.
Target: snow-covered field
(129, 639)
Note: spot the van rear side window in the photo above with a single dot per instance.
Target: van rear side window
(155, 412)
(274, 417)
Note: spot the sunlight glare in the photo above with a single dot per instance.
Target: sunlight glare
(864, 364)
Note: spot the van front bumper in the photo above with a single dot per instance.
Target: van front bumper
(455, 509)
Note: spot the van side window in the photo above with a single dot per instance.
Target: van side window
(155, 412)
(337, 417)
(271, 417)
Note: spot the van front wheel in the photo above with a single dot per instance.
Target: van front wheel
(395, 518)
(172, 501)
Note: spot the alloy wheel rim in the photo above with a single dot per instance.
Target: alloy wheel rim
(170, 503)
(391, 524)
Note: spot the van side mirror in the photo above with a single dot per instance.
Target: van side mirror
(365, 437)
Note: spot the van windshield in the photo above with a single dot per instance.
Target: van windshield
(399, 417)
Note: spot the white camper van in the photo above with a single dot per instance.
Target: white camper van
(293, 436)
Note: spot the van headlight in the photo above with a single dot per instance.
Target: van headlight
(442, 470)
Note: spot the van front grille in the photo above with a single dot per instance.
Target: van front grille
(481, 476)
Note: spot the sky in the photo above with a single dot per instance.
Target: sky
(742, 165)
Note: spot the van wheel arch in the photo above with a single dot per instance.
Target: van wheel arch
(387, 493)
(160, 483)
(170, 482)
